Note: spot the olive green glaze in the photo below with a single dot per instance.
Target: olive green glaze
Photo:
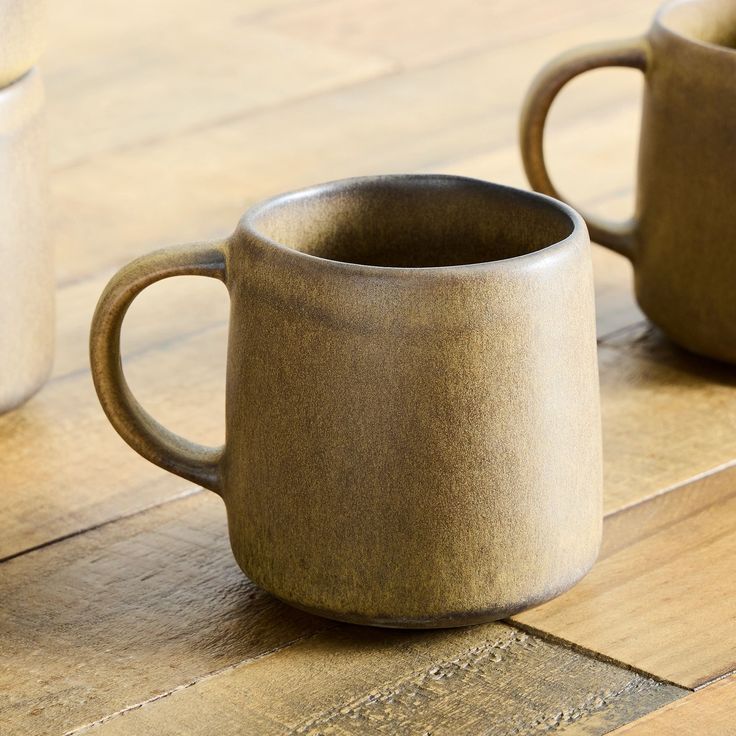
(413, 434)
(682, 240)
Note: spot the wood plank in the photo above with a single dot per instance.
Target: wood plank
(155, 604)
(142, 71)
(123, 613)
(708, 711)
(412, 33)
(667, 416)
(195, 186)
(64, 468)
(488, 679)
(660, 598)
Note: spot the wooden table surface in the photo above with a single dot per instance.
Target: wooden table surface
(121, 608)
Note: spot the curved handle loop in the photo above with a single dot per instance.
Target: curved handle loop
(136, 426)
(550, 80)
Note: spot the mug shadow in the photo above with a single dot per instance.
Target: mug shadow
(686, 368)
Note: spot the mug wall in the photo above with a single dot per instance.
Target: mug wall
(685, 258)
(26, 269)
(412, 449)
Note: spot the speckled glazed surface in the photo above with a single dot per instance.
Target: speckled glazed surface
(413, 432)
(26, 268)
(682, 240)
(22, 32)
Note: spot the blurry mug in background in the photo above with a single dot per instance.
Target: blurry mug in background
(413, 431)
(22, 34)
(26, 271)
(682, 240)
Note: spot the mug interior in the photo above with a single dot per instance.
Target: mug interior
(412, 221)
(708, 21)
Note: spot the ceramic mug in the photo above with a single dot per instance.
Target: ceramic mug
(26, 264)
(682, 240)
(412, 433)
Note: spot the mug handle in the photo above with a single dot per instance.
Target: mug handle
(134, 424)
(618, 236)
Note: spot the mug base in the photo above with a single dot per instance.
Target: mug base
(448, 620)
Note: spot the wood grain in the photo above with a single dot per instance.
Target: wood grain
(154, 605)
(668, 416)
(356, 682)
(121, 614)
(162, 314)
(708, 711)
(139, 72)
(660, 598)
(411, 34)
(196, 185)
(63, 467)
(166, 121)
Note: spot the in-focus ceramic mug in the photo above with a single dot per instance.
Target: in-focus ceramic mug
(682, 240)
(413, 433)
(26, 263)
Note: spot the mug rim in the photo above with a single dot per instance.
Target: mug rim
(246, 225)
(660, 24)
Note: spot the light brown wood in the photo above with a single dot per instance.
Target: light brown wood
(195, 185)
(667, 416)
(162, 315)
(412, 34)
(153, 605)
(708, 711)
(489, 679)
(64, 467)
(660, 598)
(132, 74)
(124, 613)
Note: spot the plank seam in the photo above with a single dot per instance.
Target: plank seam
(702, 684)
(715, 470)
(422, 684)
(393, 689)
(592, 653)
(186, 493)
(202, 678)
(133, 354)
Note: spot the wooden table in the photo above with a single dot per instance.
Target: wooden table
(122, 610)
